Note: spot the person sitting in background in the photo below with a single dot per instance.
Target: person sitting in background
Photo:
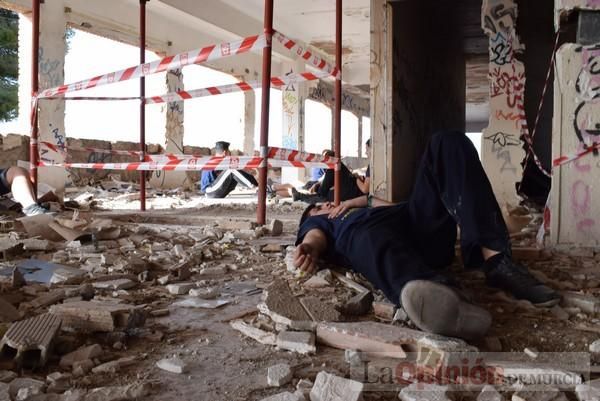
(218, 184)
(365, 182)
(285, 190)
(16, 180)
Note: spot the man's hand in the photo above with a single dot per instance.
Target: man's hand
(339, 210)
(305, 258)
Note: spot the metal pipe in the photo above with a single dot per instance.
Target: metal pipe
(261, 210)
(35, 47)
(142, 104)
(338, 98)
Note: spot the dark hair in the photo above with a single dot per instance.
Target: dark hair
(368, 143)
(221, 146)
(327, 152)
(305, 214)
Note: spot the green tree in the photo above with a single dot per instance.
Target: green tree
(9, 67)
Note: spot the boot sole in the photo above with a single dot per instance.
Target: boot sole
(438, 309)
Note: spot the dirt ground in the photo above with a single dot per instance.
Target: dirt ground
(225, 365)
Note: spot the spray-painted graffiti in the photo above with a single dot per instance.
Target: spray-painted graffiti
(50, 70)
(581, 197)
(508, 83)
(587, 120)
(501, 52)
(324, 93)
(502, 16)
(291, 113)
(509, 116)
(500, 148)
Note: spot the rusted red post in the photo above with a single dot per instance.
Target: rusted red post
(261, 210)
(338, 98)
(35, 47)
(142, 104)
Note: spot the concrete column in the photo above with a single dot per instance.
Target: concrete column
(249, 121)
(293, 97)
(574, 207)
(502, 149)
(173, 136)
(52, 51)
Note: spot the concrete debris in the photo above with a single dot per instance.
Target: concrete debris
(131, 392)
(82, 368)
(279, 375)
(204, 293)
(320, 311)
(6, 376)
(353, 285)
(271, 248)
(214, 271)
(4, 392)
(536, 394)
(119, 284)
(589, 391)
(586, 303)
(353, 357)
(301, 342)
(595, 347)
(437, 355)
(31, 385)
(45, 300)
(559, 313)
(201, 303)
(180, 288)
(173, 365)
(34, 334)
(531, 352)
(256, 334)
(329, 387)
(303, 388)
(359, 304)
(81, 354)
(9, 249)
(384, 310)
(283, 308)
(424, 392)
(489, 393)
(34, 244)
(400, 315)
(276, 227)
(287, 396)
(99, 316)
(8, 313)
(316, 282)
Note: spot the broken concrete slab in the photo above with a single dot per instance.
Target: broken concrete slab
(263, 337)
(99, 316)
(70, 234)
(36, 386)
(349, 282)
(302, 342)
(384, 310)
(8, 313)
(358, 305)
(45, 300)
(595, 347)
(489, 393)
(173, 365)
(38, 226)
(115, 366)
(81, 354)
(131, 392)
(201, 303)
(34, 334)
(316, 282)
(279, 375)
(40, 271)
(35, 244)
(204, 293)
(424, 392)
(303, 388)
(10, 249)
(586, 303)
(82, 368)
(115, 285)
(180, 288)
(320, 311)
(329, 387)
(537, 394)
(283, 307)
(287, 396)
(6, 376)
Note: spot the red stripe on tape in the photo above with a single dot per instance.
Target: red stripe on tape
(307, 55)
(244, 86)
(290, 44)
(127, 74)
(277, 82)
(164, 63)
(213, 90)
(203, 55)
(93, 82)
(185, 95)
(247, 44)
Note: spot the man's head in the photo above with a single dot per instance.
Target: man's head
(328, 153)
(222, 148)
(316, 210)
(368, 146)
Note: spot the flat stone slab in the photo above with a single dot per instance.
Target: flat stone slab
(320, 311)
(81, 354)
(424, 392)
(263, 337)
(302, 342)
(329, 387)
(119, 284)
(173, 365)
(279, 375)
(33, 334)
(287, 396)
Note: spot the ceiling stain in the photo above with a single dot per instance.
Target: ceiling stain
(328, 46)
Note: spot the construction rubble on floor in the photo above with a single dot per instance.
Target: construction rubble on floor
(100, 302)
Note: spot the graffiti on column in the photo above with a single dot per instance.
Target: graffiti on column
(291, 114)
(587, 121)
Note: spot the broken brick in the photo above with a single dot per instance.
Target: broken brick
(329, 387)
(301, 342)
(384, 310)
(279, 375)
(98, 316)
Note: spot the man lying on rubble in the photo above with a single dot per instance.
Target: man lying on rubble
(218, 184)
(16, 180)
(401, 248)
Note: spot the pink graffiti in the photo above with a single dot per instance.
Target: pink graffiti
(510, 84)
(585, 225)
(579, 163)
(580, 204)
(594, 3)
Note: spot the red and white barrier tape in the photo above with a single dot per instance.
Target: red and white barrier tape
(302, 50)
(208, 53)
(559, 161)
(237, 87)
(292, 155)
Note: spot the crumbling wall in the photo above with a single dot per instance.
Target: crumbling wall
(563, 7)
(502, 148)
(575, 203)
